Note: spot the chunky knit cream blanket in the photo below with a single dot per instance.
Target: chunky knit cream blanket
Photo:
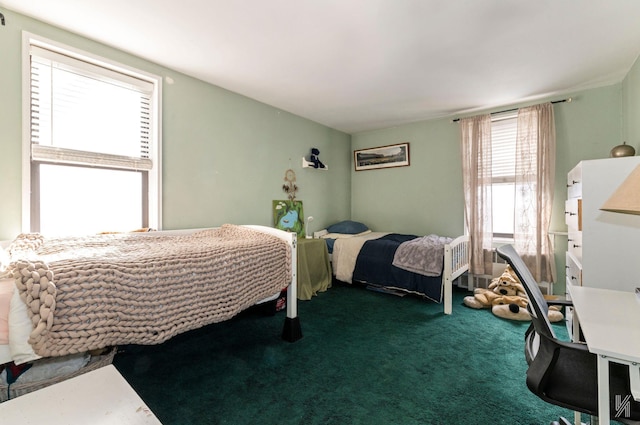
(98, 291)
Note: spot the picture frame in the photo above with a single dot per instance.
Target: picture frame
(382, 157)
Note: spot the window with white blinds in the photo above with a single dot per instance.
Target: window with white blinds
(83, 113)
(93, 143)
(503, 160)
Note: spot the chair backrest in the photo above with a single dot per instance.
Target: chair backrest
(538, 306)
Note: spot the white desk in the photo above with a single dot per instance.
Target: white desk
(610, 321)
(98, 397)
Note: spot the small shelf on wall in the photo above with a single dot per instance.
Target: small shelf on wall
(309, 164)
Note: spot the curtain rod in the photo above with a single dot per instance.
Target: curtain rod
(568, 100)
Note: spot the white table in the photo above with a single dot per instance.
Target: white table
(610, 321)
(99, 397)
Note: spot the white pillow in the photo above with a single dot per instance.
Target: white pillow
(7, 288)
(20, 328)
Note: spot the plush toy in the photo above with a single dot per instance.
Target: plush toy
(507, 284)
(515, 308)
(507, 299)
(314, 158)
(511, 307)
(481, 298)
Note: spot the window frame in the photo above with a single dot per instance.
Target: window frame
(152, 186)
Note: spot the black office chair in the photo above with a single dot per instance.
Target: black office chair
(563, 373)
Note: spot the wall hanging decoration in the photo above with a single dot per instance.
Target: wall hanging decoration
(382, 157)
(289, 186)
(288, 215)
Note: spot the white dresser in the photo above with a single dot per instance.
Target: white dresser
(603, 247)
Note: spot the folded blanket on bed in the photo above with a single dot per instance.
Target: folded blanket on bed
(99, 291)
(345, 254)
(423, 255)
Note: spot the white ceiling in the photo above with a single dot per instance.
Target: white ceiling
(357, 65)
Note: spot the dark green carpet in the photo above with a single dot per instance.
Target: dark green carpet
(365, 358)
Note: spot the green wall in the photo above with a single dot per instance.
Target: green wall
(631, 116)
(426, 197)
(224, 155)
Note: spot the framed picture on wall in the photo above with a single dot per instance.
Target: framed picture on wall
(382, 157)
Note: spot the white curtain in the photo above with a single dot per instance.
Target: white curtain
(534, 180)
(535, 174)
(476, 167)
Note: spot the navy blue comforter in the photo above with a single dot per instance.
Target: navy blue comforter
(374, 265)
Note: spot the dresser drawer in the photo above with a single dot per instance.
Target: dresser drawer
(573, 213)
(574, 244)
(574, 182)
(574, 271)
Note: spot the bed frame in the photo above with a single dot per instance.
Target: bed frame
(291, 331)
(456, 263)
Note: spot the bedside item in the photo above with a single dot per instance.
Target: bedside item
(622, 150)
(314, 269)
(309, 220)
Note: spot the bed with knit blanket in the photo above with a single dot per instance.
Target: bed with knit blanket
(86, 293)
(421, 265)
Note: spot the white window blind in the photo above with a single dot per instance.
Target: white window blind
(503, 147)
(85, 114)
(503, 159)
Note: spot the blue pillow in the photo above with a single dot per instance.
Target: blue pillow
(347, 227)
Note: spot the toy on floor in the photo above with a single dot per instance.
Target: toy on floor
(506, 298)
(507, 284)
(511, 307)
